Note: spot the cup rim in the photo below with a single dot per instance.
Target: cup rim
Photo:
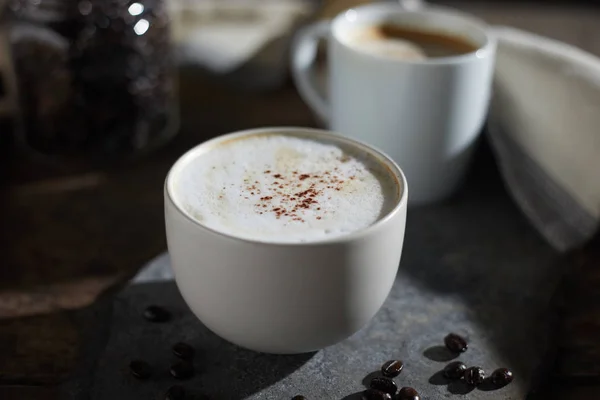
(481, 52)
(373, 151)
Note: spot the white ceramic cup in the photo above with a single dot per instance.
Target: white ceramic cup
(284, 298)
(426, 115)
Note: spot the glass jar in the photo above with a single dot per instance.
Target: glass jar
(95, 78)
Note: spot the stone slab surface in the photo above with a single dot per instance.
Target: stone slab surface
(472, 266)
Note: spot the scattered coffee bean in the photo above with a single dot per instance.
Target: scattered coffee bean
(182, 370)
(384, 385)
(140, 369)
(175, 392)
(502, 377)
(474, 376)
(156, 314)
(183, 350)
(408, 393)
(298, 397)
(374, 394)
(455, 343)
(455, 370)
(392, 368)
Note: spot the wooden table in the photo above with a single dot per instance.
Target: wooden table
(68, 235)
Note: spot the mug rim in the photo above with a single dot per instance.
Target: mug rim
(372, 151)
(482, 51)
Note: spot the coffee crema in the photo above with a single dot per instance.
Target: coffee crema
(286, 188)
(408, 43)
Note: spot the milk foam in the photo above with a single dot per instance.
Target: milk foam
(285, 189)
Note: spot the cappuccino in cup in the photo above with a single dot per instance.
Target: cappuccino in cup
(286, 188)
(285, 240)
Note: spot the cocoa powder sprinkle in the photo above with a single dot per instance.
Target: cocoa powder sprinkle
(282, 201)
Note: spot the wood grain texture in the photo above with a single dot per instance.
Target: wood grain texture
(578, 337)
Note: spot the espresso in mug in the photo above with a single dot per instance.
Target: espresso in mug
(391, 40)
(286, 188)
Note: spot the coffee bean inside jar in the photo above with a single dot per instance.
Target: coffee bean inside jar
(95, 77)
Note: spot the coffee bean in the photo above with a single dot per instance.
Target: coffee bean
(140, 369)
(182, 370)
(374, 394)
(183, 350)
(408, 393)
(156, 314)
(175, 392)
(474, 376)
(455, 370)
(299, 397)
(502, 377)
(384, 385)
(455, 343)
(392, 368)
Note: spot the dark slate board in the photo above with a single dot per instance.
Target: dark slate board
(472, 265)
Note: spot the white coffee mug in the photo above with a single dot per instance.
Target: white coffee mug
(284, 297)
(427, 115)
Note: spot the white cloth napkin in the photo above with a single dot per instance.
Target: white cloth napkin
(544, 125)
(222, 35)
